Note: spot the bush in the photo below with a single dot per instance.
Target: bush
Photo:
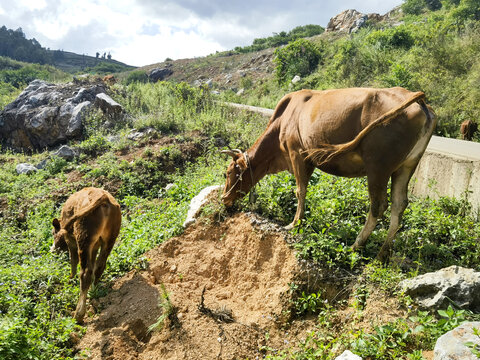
(413, 7)
(398, 37)
(300, 57)
(139, 76)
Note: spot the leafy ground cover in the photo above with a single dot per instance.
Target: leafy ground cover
(37, 297)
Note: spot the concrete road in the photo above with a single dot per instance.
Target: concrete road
(467, 150)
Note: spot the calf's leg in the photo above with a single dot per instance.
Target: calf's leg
(101, 261)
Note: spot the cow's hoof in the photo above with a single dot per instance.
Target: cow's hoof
(289, 226)
(383, 256)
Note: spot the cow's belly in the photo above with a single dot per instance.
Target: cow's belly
(347, 165)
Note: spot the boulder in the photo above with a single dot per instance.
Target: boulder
(25, 168)
(45, 115)
(349, 21)
(197, 202)
(348, 355)
(65, 152)
(438, 289)
(159, 74)
(452, 344)
(108, 105)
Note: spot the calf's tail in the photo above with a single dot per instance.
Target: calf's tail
(86, 211)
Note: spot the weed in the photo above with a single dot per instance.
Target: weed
(168, 311)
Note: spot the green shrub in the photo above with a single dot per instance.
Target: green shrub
(413, 7)
(135, 76)
(300, 57)
(397, 37)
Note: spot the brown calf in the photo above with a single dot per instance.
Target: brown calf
(90, 221)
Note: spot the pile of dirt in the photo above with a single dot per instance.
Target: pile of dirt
(228, 284)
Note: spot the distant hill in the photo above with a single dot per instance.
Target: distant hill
(71, 62)
(15, 45)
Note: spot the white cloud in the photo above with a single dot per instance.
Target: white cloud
(141, 32)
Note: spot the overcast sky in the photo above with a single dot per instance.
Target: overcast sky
(143, 32)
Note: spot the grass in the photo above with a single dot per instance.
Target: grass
(37, 298)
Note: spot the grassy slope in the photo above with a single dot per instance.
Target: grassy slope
(36, 296)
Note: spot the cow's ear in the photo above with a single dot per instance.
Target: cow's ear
(56, 224)
(242, 163)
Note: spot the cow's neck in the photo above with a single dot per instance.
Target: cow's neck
(265, 155)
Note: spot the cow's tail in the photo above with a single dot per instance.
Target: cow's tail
(327, 152)
(86, 211)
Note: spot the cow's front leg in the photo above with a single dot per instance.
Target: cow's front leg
(302, 171)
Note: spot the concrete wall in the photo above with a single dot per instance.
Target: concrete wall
(449, 167)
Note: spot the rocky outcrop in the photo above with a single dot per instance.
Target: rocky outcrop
(108, 105)
(45, 115)
(350, 21)
(452, 345)
(159, 74)
(438, 289)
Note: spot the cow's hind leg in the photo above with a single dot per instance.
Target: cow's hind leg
(377, 189)
(400, 180)
(101, 261)
(87, 259)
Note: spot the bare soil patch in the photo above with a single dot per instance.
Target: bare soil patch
(245, 272)
(229, 285)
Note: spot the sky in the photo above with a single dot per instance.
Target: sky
(143, 32)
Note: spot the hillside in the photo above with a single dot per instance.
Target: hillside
(236, 283)
(15, 45)
(434, 51)
(74, 63)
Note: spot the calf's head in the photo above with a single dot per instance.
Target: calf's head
(238, 177)
(59, 237)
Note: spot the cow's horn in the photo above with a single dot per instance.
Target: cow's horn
(232, 153)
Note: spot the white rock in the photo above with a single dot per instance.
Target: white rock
(25, 168)
(451, 345)
(296, 79)
(197, 202)
(348, 355)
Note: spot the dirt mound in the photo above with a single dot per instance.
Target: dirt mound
(228, 284)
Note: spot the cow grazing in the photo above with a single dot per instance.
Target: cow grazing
(109, 80)
(467, 129)
(90, 221)
(378, 133)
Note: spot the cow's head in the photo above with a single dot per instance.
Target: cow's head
(238, 177)
(59, 237)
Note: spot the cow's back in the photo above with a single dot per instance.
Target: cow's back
(105, 220)
(337, 116)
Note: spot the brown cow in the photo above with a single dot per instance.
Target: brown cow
(467, 129)
(109, 79)
(90, 221)
(378, 133)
